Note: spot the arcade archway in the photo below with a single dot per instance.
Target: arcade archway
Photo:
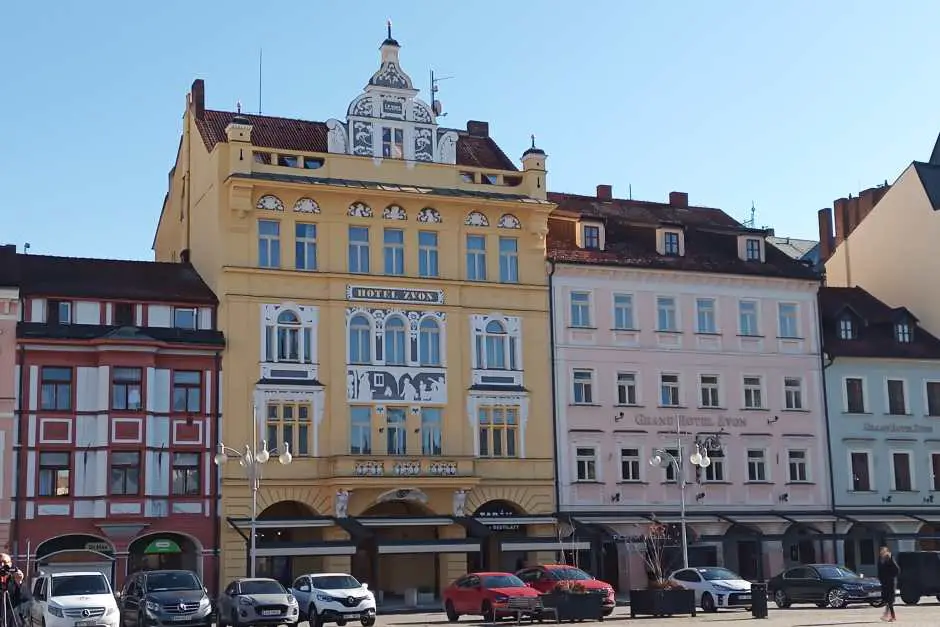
(75, 551)
(275, 534)
(742, 552)
(929, 537)
(800, 545)
(492, 556)
(165, 551)
(861, 547)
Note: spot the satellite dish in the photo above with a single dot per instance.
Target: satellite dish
(437, 107)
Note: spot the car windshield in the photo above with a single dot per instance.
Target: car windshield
(718, 574)
(567, 574)
(77, 585)
(502, 581)
(162, 582)
(262, 587)
(336, 582)
(835, 572)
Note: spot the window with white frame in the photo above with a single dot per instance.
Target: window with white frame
(429, 343)
(705, 315)
(902, 332)
(393, 252)
(671, 243)
(747, 318)
(626, 388)
(752, 249)
(289, 336)
(860, 466)
(428, 255)
(476, 257)
(623, 312)
(395, 345)
(630, 464)
(591, 236)
(583, 387)
(497, 340)
(269, 244)
(854, 395)
(846, 328)
(715, 473)
(756, 465)
(897, 398)
(360, 340)
(396, 431)
(797, 466)
(498, 430)
(669, 390)
(793, 392)
(901, 474)
(666, 314)
(305, 246)
(185, 318)
(580, 309)
(788, 320)
(393, 142)
(508, 260)
(586, 463)
(359, 250)
(708, 385)
(753, 392)
(431, 431)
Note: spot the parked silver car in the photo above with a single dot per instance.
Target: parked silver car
(257, 601)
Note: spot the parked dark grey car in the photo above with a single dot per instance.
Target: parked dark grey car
(257, 601)
(165, 597)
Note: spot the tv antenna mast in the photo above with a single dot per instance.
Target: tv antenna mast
(749, 223)
(436, 105)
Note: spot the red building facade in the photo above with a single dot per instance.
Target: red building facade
(118, 387)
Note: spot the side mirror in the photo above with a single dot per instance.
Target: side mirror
(206, 590)
(304, 588)
(365, 585)
(117, 595)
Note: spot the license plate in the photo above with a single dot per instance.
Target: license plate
(270, 613)
(745, 597)
(179, 619)
(85, 623)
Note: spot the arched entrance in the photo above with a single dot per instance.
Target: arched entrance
(800, 545)
(861, 547)
(271, 536)
(76, 552)
(741, 549)
(160, 551)
(928, 537)
(491, 556)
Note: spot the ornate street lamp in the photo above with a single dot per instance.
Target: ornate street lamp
(664, 459)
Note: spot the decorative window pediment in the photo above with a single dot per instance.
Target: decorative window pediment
(509, 221)
(497, 341)
(270, 202)
(429, 215)
(475, 218)
(359, 210)
(306, 205)
(289, 334)
(394, 212)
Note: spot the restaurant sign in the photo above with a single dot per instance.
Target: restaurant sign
(669, 420)
(497, 510)
(395, 295)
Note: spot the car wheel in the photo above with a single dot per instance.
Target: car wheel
(452, 614)
(489, 614)
(368, 622)
(910, 598)
(341, 623)
(708, 603)
(781, 599)
(836, 598)
(313, 618)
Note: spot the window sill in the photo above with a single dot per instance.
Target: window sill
(800, 483)
(616, 330)
(672, 406)
(707, 482)
(669, 331)
(633, 406)
(713, 408)
(587, 482)
(792, 339)
(758, 483)
(750, 337)
(862, 491)
(857, 413)
(754, 409)
(911, 491)
(631, 482)
(709, 333)
(577, 328)
(796, 410)
(905, 414)
(583, 405)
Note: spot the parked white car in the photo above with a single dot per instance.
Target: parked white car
(79, 599)
(334, 598)
(714, 587)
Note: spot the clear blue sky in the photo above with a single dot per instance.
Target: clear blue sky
(786, 104)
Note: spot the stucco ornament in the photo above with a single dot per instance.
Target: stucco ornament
(359, 210)
(394, 212)
(306, 205)
(447, 147)
(509, 221)
(460, 503)
(270, 202)
(475, 218)
(336, 138)
(341, 505)
(429, 215)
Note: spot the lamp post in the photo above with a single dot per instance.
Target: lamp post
(253, 459)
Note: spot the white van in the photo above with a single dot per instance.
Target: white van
(77, 599)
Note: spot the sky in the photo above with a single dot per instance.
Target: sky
(783, 105)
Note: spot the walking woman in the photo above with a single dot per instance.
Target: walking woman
(888, 576)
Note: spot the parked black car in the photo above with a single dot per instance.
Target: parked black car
(826, 585)
(161, 597)
(919, 576)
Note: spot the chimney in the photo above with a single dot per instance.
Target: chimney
(678, 199)
(840, 214)
(605, 192)
(198, 93)
(853, 216)
(478, 129)
(825, 233)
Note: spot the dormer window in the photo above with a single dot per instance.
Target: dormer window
(591, 235)
(902, 332)
(846, 328)
(752, 249)
(671, 243)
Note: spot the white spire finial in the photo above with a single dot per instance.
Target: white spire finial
(388, 23)
(238, 106)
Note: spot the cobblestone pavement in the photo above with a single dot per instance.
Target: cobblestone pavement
(924, 615)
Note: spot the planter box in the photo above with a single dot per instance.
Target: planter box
(656, 602)
(574, 605)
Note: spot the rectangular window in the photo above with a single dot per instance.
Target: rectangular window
(671, 243)
(476, 258)
(793, 392)
(623, 312)
(427, 255)
(580, 309)
(747, 318)
(56, 389)
(901, 466)
(897, 401)
(583, 387)
(935, 471)
(58, 312)
(290, 423)
(125, 388)
(124, 315)
(359, 250)
(626, 388)
(797, 471)
(499, 431)
(788, 315)
(360, 430)
(753, 393)
(716, 470)
(669, 390)
(705, 315)
(752, 249)
(666, 314)
(185, 318)
(710, 390)
(431, 431)
(125, 473)
(854, 396)
(592, 237)
(305, 246)
(902, 332)
(846, 329)
(185, 474)
(269, 244)
(586, 462)
(756, 465)
(393, 252)
(861, 472)
(396, 432)
(187, 391)
(933, 398)
(630, 464)
(393, 143)
(54, 474)
(508, 260)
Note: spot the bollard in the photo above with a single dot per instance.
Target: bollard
(759, 600)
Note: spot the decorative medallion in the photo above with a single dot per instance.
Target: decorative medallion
(359, 210)
(475, 218)
(394, 212)
(429, 215)
(306, 205)
(270, 202)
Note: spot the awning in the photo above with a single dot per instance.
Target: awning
(405, 521)
(548, 544)
(440, 546)
(162, 546)
(297, 549)
(244, 524)
(497, 521)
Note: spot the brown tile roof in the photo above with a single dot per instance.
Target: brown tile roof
(875, 324)
(73, 277)
(307, 136)
(711, 243)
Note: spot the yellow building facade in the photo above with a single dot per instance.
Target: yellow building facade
(383, 287)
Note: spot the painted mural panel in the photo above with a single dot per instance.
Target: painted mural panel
(366, 384)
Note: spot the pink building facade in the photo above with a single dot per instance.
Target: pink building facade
(656, 350)
(9, 314)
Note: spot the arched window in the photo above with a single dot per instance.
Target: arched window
(288, 336)
(360, 340)
(429, 343)
(494, 341)
(395, 341)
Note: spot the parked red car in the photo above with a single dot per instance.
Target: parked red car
(491, 595)
(545, 577)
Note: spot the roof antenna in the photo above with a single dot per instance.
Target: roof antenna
(436, 105)
(260, 58)
(749, 223)
(26, 248)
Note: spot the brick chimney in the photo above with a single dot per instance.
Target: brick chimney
(605, 192)
(198, 95)
(678, 199)
(825, 233)
(478, 129)
(840, 214)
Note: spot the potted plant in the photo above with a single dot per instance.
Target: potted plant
(570, 600)
(661, 597)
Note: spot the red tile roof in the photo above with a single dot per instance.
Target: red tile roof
(307, 136)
